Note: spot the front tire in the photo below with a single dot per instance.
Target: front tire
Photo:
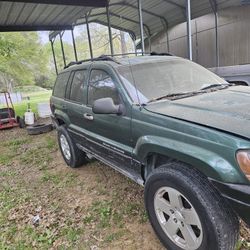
(187, 212)
(73, 156)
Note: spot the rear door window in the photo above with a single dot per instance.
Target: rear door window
(61, 84)
(77, 86)
(101, 85)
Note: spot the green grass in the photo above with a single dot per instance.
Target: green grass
(35, 98)
(101, 213)
(28, 89)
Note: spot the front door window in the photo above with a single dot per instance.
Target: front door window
(101, 85)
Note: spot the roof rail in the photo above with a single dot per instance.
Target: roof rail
(160, 54)
(100, 58)
(111, 58)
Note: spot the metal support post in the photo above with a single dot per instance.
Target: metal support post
(89, 38)
(74, 44)
(217, 40)
(54, 56)
(63, 54)
(189, 29)
(110, 32)
(141, 26)
(135, 47)
(214, 7)
(168, 45)
(165, 25)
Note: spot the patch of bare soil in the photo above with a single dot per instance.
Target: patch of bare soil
(46, 205)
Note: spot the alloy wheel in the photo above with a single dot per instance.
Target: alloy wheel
(178, 218)
(65, 147)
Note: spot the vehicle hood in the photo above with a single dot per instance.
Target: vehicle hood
(227, 110)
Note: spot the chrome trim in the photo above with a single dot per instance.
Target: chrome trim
(104, 145)
(122, 171)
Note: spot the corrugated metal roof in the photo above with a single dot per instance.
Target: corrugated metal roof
(21, 15)
(157, 14)
(27, 15)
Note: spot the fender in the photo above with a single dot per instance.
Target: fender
(61, 115)
(206, 161)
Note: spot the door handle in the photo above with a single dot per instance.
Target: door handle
(88, 117)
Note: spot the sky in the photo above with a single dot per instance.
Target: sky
(44, 35)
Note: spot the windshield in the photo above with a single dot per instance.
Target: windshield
(156, 79)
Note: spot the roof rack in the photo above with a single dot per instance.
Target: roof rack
(100, 58)
(111, 58)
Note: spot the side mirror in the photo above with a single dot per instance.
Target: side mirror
(106, 106)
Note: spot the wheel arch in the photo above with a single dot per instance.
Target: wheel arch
(154, 151)
(60, 121)
(61, 118)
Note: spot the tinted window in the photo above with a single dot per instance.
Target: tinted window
(79, 79)
(60, 85)
(101, 85)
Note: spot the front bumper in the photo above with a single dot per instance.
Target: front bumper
(238, 196)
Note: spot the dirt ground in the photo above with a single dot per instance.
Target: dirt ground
(46, 205)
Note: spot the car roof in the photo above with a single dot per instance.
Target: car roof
(144, 59)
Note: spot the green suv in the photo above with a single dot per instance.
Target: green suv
(170, 125)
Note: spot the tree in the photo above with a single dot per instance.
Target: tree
(100, 41)
(22, 58)
(25, 60)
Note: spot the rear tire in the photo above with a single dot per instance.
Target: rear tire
(199, 219)
(73, 156)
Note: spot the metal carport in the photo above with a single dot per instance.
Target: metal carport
(146, 18)
(32, 15)
(140, 18)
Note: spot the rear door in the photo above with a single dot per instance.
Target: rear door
(75, 98)
(58, 96)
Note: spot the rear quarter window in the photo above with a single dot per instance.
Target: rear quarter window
(61, 84)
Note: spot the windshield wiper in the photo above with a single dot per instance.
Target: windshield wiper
(225, 85)
(206, 89)
(175, 96)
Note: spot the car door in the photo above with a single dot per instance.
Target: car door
(75, 99)
(109, 135)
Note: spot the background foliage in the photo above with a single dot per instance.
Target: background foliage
(23, 59)
(27, 60)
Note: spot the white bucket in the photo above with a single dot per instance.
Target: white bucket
(29, 118)
(43, 110)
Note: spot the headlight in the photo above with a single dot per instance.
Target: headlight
(243, 158)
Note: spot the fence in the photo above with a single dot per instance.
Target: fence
(16, 98)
